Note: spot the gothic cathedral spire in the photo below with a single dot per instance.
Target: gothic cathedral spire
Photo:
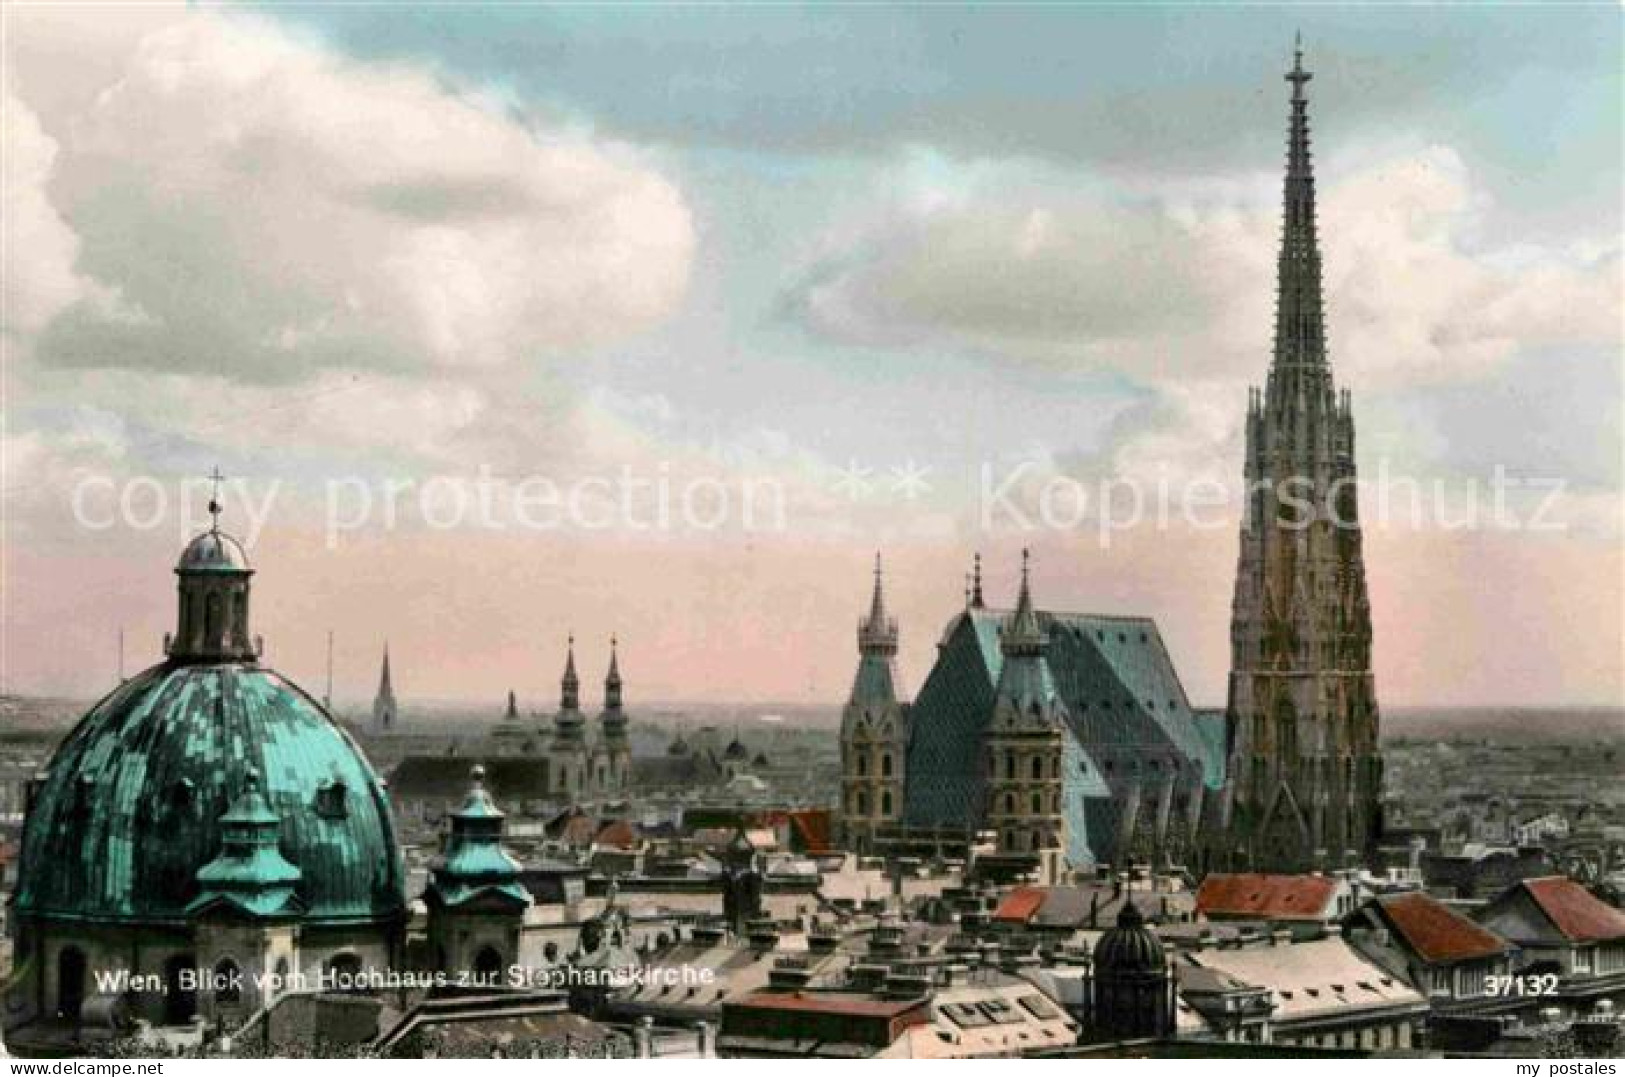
(1304, 773)
(383, 704)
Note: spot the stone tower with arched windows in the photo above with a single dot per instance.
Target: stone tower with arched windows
(874, 731)
(1024, 746)
(1301, 721)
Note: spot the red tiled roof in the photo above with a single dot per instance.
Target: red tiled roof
(1438, 932)
(812, 826)
(580, 830)
(1020, 904)
(619, 834)
(1574, 912)
(800, 1002)
(1266, 897)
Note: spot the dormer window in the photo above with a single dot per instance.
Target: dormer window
(332, 800)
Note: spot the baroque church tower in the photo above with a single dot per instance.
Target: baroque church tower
(1305, 776)
(873, 731)
(617, 744)
(568, 749)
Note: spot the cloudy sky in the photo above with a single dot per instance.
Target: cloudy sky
(514, 322)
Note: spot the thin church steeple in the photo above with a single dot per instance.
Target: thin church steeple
(1300, 323)
(877, 633)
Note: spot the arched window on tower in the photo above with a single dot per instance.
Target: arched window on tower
(863, 804)
(885, 803)
(211, 618)
(1038, 804)
(228, 980)
(885, 765)
(1038, 768)
(1009, 804)
(863, 764)
(1286, 731)
(1010, 766)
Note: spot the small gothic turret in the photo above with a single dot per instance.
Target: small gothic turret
(873, 728)
(214, 589)
(877, 633)
(1024, 743)
(1023, 638)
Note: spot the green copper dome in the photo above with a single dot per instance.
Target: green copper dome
(220, 768)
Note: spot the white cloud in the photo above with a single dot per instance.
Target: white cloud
(268, 209)
(1166, 287)
(40, 248)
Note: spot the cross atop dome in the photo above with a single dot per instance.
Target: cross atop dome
(214, 499)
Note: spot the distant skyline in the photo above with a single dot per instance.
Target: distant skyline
(859, 258)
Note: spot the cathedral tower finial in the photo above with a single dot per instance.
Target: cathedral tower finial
(877, 633)
(1300, 332)
(612, 679)
(570, 684)
(976, 602)
(1023, 635)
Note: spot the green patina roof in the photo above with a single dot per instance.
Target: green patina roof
(132, 823)
(250, 873)
(475, 863)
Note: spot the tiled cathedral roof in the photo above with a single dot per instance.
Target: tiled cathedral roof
(1123, 699)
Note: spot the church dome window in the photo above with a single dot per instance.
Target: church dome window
(332, 801)
(229, 977)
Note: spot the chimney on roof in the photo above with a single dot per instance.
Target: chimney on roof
(866, 976)
(789, 974)
(900, 985)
